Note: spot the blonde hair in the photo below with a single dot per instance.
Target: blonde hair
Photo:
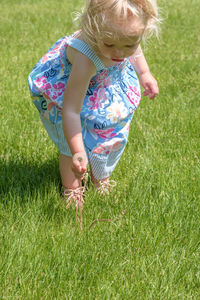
(97, 14)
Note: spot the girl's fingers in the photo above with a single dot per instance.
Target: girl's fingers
(79, 164)
(145, 93)
(152, 93)
(80, 168)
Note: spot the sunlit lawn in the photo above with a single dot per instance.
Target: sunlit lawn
(152, 252)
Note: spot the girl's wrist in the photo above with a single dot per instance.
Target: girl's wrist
(143, 72)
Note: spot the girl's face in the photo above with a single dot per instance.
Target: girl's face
(118, 49)
(125, 40)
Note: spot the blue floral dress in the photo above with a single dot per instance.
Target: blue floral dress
(111, 99)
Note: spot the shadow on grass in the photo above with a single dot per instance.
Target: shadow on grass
(25, 182)
(25, 179)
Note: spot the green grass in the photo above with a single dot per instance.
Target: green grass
(153, 252)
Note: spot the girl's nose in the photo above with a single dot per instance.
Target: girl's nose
(118, 53)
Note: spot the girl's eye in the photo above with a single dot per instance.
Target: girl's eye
(130, 46)
(108, 45)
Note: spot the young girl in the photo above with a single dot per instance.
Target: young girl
(86, 89)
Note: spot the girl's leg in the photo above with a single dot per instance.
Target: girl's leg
(69, 181)
(73, 190)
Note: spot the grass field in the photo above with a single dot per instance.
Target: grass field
(153, 252)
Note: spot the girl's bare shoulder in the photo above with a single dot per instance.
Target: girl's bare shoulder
(74, 55)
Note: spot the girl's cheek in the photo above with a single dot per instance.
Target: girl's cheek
(106, 52)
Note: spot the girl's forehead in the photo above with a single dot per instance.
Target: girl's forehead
(129, 26)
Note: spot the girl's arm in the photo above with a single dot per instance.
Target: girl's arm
(147, 81)
(81, 73)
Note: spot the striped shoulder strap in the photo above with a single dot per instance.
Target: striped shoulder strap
(85, 49)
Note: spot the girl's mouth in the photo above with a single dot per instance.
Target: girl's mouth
(117, 59)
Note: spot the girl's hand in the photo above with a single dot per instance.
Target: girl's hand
(79, 164)
(149, 83)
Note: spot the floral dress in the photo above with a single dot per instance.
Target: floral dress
(111, 99)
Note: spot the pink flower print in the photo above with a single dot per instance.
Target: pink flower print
(47, 90)
(49, 55)
(59, 89)
(42, 84)
(106, 82)
(93, 101)
(44, 58)
(104, 134)
(108, 147)
(134, 95)
(99, 149)
(92, 82)
(102, 76)
(96, 99)
(40, 81)
(59, 86)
